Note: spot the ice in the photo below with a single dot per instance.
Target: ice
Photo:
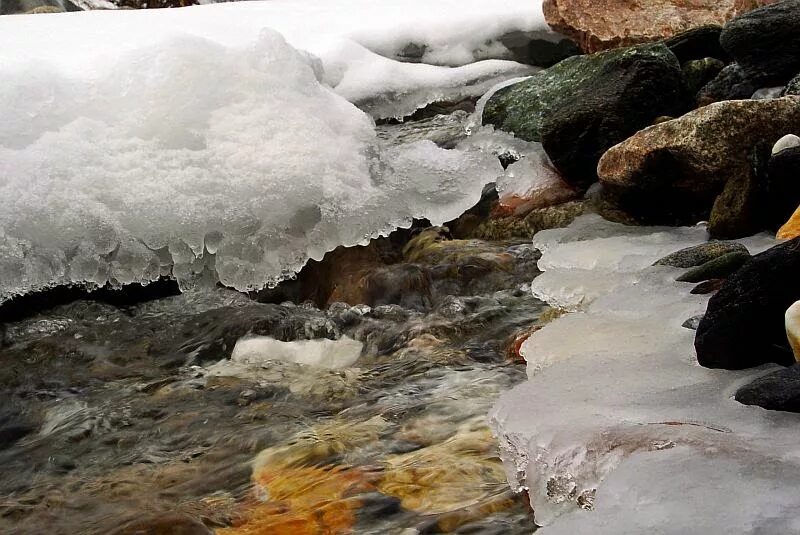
(187, 157)
(363, 45)
(258, 351)
(617, 429)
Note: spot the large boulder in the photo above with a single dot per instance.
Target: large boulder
(672, 172)
(744, 325)
(731, 83)
(783, 186)
(766, 42)
(603, 24)
(585, 104)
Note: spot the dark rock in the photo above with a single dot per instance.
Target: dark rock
(732, 83)
(692, 322)
(697, 255)
(697, 43)
(744, 324)
(718, 268)
(793, 87)
(708, 287)
(11, 7)
(699, 72)
(766, 42)
(531, 48)
(782, 195)
(777, 391)
(13, 425)
(585, 104)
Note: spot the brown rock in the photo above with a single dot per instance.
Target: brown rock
(792, 227)
(672, 172)
(602, 24)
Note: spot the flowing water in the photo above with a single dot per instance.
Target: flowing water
(134, 420)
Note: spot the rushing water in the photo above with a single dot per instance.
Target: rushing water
(124, 419)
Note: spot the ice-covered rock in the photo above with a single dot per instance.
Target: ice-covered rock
(617, 429)
(257, 351)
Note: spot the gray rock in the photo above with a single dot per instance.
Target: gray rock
(701, 254)
(777, 391)
(718, 268)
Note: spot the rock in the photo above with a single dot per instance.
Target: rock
(700, 254)
(768, 92)
(708, 287)
(531, 48)
(744, 324)
(10, 7)
(697, 43)
(791, 229)
(583, 105)
(782, 190)
(766, 42)
(793, 87)
(603, 24)
(777, 391)
(165, 524)
(718, 268)
(788, 141)
(692, 322)
(792, 321)
(732, 83)
(672, 172)
(699, 72)
(738, 210)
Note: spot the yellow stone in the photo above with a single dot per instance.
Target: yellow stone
(793, 328)
(792, 227)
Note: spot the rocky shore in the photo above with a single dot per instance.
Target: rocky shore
(622, 301)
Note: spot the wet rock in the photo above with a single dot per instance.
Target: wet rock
(699, 72)
(520, 204)
(777, 391)
(766, 42)
(585, 104)
(698, 255)
(692, 322)
(792, 319)
(732, 83)
(718, 268)
(782, 195)
(697, 44)
(708, 287)
(791, 229)
(789, 141)
(10, 7)
(672, 172)
(14, 424)
(166, 524)
(600, 25)
(531, 49)
(744, 324)
(793, 87)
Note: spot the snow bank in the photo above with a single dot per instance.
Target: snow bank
(618, 430)
(365, 45)
(195, 142)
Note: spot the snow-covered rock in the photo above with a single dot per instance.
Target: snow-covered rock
(618, 430)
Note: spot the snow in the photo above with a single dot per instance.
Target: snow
(198, 144)
(361, 43)
(618, 430)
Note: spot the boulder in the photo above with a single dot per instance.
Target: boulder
(782, 194)
(585, 104)
(744, 324)
(672, 172)
(697, 43)
(792, 320)
(697, 255)
(766, 42)
(698, 73)
(603, 24)
(791, 229)
(731, 83)
(718, 268)
(777, 391)
(789, 141)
